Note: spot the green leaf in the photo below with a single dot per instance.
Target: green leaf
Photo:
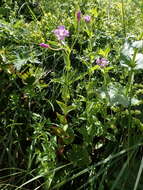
(138, 44)
(104, 52)
(62, 119)
(19, 63)
(4, 11)
(69, 137)
(127, 50)
(127, 55)
(65, 93)
(30, 80)
(139, 61)
(79, 155)
(94, 12)
(116, 94)
(65, 109)
(135, 101)
(92, 69)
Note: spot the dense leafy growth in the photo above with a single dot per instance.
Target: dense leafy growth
(71, 94)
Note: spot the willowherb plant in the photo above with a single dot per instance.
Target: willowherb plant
(44, 45)
(78, 16)
(87, 18)
(102, 62)
(61, 33)
(70, 120)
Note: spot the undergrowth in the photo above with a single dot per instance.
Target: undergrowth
(71, 94)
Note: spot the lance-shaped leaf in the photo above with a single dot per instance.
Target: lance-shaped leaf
(65, 109)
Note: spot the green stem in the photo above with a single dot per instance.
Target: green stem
(108, 9)
(130, 95)
(66, 86)
(130, 104)
(131, 74)
(77, 35)
(67, 60)
(106, 85)
(105, 75)
(123, 17)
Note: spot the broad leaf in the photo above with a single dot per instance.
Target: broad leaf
(139, 61)
(138, 44)
(116, 95)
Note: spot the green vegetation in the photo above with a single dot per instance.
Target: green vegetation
(71, 94)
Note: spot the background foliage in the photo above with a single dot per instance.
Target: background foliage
(66, 122)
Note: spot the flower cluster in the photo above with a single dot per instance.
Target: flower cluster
(61, 33)
(86, 18)
(102, 62)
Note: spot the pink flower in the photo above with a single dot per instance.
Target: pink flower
(78, 15)
(102, 62)
(44, 45)
(61, 32)
(87, 18)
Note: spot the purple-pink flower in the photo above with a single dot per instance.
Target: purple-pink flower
(61, 32)
(78, 15)
(102, 62)
(44, 45)
(87, 18)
